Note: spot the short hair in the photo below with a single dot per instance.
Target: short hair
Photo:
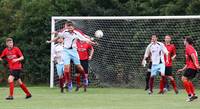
(9, 39)
(69, 23)
(154, 35)
(189, 39)
(168, 35)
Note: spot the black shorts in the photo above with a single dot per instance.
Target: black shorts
(84, 64)
(149, 67)
(168, 71)
(16, 74)
(190, 73)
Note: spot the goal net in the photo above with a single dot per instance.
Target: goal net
(117, 58)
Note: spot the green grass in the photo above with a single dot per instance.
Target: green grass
(95, 98)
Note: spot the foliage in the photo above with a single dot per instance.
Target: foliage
(28, 22)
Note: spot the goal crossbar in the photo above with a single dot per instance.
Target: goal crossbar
(125, 17)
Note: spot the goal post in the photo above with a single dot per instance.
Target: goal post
(117, 59)
(51, 55)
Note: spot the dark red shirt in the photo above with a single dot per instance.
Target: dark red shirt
(171, 52)
(9, 55)
(83, 50)
(188, 51)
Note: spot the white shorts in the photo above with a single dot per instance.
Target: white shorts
(157, 68)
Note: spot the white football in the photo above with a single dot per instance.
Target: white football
(98, 34)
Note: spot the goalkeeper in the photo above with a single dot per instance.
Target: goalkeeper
(156, 50)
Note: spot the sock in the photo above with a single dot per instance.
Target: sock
(70, 87)
(61, 82)
(67, 78)
(78, 80)
(174, 85)
(70, 80)
(166, 84)
(187, 87)
(11, 88)
(191, 88)
(162, 83)
(24, 88)
(82, 72)
(86, 79)
(151, 81)
(147, 79)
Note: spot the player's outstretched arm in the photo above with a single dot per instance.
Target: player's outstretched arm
(174, 53)
(91, 53)
(82, 38)
(184, 68)
(146, 55)
(165, 51)
(18, 59)
(194, 61)
(54, 39)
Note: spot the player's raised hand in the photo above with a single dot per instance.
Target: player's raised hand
(93, 43)
(198, 67)
(90, 58)
(144, 62)
(54, 32)
(15, 60)
(48, 41)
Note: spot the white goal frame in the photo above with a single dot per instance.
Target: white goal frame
(53, 18)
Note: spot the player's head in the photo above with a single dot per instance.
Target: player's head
(154, 38)
(9, 42)
(168, 38)
(188, 40)
(69, 26)
(81, 41)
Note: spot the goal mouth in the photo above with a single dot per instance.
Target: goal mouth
(117, 58)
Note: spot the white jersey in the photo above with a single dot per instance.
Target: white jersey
(58, 53)
(157, 51)
(70, 38)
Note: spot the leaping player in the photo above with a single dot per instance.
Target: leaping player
(70, 50)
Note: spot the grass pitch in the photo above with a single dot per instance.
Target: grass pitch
(96, 98)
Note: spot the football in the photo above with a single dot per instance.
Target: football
(98, 34)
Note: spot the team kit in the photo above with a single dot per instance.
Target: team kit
(73, 45)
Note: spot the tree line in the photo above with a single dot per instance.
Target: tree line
(29, 23)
